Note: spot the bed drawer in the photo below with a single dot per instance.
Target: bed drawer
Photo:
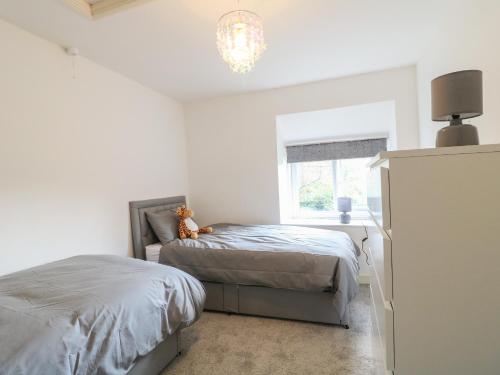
(383, 320)
(379, 196)
(231, 298)
(288, 304)
(221, 297)
(380, 248)
(215, 296)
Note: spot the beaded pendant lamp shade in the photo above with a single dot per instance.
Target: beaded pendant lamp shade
(240, 39)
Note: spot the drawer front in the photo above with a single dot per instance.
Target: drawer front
(379, 196)
(231, 298)
(384, 321)
(377, 346)
(215, 296)
(380, 248)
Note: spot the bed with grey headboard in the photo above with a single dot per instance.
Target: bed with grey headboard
(235, 297)
(142, 233)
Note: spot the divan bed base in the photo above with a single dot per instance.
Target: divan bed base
(159, 358)
(314, 307)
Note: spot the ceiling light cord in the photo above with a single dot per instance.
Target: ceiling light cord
(73, 63)
(73, 52)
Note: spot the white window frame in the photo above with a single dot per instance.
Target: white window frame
(358, 213)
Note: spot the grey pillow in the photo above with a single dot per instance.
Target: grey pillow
(164, 224)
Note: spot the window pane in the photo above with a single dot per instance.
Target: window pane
(315, 186)
(352, 180)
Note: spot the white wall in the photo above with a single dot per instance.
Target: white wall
(345, 123)
(74, 152)
(467, 39)
(232, 140)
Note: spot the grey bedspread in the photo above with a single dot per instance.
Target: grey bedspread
(278, 256)
(91, 314)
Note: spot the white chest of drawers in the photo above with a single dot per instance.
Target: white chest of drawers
(434, 244)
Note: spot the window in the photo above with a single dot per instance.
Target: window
(316, 185)
(320, 173)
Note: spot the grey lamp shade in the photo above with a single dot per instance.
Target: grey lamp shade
(457, 95)
(344, 204)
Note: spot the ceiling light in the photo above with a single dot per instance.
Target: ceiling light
(240, 39)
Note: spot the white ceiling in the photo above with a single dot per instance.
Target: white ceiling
(169, 45)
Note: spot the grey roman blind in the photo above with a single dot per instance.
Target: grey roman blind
(336, 150)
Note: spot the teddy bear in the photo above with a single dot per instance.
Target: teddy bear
(187, 226)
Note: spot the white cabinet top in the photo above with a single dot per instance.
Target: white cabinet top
(433, 152)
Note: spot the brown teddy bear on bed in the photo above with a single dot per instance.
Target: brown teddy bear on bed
(187, 227)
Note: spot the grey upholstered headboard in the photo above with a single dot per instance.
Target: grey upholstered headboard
(142, 234)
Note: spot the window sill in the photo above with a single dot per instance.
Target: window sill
(323, 222)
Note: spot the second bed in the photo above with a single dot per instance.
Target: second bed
(268, 270)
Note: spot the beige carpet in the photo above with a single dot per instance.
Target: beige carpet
(221, 344)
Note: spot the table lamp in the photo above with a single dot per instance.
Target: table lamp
(457, 96)
(344, 205)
